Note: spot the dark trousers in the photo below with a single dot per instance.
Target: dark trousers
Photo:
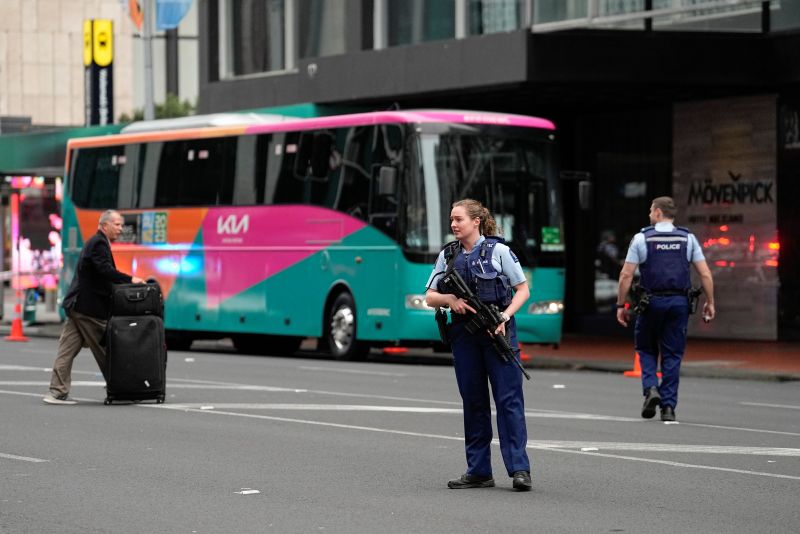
(475, 361)
(662, 329)
(79, 331)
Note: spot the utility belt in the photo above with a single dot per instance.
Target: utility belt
(669, 293)
(692, 294)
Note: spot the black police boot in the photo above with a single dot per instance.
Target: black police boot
(667, 413)
(471, 481)
(651, 400)
(522, 481)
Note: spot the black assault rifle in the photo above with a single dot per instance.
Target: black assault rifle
(486, 319)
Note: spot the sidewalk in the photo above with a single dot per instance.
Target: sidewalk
(712, 358)
(764, 360)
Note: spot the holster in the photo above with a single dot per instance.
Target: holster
(694, 298)
(441, 323)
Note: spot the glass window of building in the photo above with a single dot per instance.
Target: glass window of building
(252, 36)
(556, 10)
(416, 21)
(493, 16)
(321, 28)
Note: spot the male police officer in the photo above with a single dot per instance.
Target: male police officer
(663, 253)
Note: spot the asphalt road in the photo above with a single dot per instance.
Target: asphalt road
(259, 444)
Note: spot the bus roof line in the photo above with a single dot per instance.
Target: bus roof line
(336, 121)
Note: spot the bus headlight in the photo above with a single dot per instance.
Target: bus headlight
(417, 302)
(546, 307)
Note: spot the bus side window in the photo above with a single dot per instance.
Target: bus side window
(197, 172)
(387, 159)
(288, 189)
(353, 191)
(128, 177)
(150, 156)
(95, 181)
(248, 183)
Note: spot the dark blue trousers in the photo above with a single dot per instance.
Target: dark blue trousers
(475, 361)
(662, 329)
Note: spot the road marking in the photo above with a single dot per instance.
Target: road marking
(677, 464)
(666, 447)
(542, 414)
(351, 371)
(532, 445)
(21, 458)
(765, 405)
(23, 368)
(381, 408)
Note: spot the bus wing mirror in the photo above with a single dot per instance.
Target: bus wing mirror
(387, 181)
(585, 186)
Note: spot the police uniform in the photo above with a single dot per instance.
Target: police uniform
(490, 270)
(664, 254)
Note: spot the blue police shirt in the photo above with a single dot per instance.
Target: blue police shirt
(503, 260)
(637, 252)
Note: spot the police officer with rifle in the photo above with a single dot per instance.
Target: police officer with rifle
(480, 280)
(663, 253)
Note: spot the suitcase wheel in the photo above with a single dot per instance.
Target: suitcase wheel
(107, 401)
(160, 399)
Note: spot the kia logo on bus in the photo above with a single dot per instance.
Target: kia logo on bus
(231, 225)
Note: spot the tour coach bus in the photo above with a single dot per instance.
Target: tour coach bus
(328, 227)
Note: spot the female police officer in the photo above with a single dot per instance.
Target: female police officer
(490, 269)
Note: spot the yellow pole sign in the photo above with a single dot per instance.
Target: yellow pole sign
(98, 58)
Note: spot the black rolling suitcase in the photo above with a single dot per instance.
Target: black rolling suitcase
(137, 299)
(137, 359)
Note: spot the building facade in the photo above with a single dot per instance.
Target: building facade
(692, 98)
(41, 61)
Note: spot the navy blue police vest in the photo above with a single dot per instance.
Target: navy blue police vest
(666, 269)
(477, 270)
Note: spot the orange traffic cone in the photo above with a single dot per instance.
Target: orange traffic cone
(636, 372)
(16, 326)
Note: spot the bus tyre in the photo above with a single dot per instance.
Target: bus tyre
(341, 330)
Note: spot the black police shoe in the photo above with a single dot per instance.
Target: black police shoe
(667, 413)
(522, 481)
(651, 400)
(471, 481)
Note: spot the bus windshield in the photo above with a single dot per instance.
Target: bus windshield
(510, 170)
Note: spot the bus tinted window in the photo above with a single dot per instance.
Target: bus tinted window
(309, 166)
(95, 179)
(197, 172)
(353, 197)
(251, 169)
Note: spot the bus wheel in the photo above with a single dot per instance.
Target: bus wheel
(341, 326)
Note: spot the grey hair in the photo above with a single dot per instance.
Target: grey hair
(106, 216)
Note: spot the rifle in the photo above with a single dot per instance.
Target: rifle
(487, 317)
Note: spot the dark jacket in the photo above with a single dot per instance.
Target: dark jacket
(90, 290)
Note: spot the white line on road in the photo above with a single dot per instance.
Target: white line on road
(381, 408)
(351, 371)
(666, 447)
(21, 458)
(765, 405)
(458, 438)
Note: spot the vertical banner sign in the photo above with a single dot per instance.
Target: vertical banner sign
(724, 165)
(98, 57)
